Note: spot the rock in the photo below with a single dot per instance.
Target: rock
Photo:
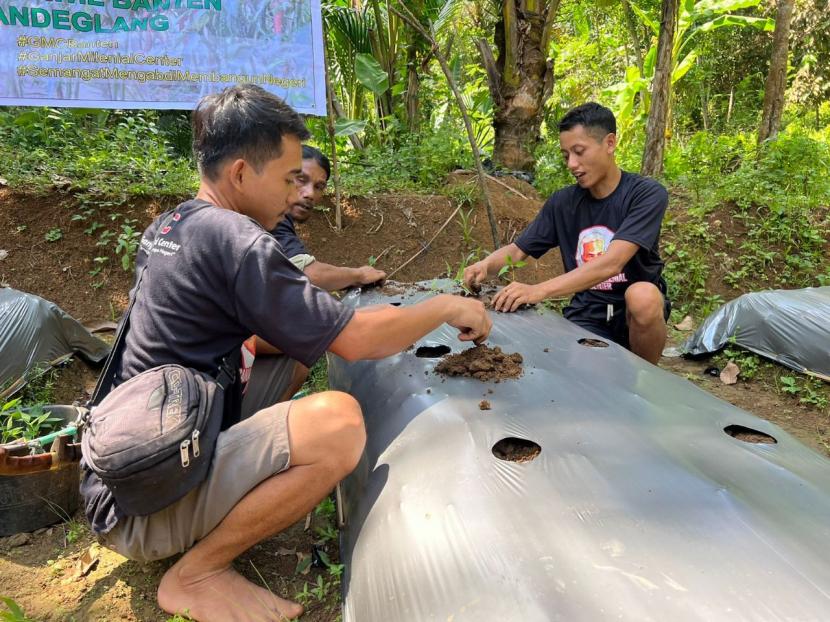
(19, 539)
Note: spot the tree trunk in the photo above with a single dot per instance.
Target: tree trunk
(521, 80)
(413, 87)
(776, 84)
(660, 93)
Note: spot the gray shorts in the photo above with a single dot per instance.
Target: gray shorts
(246, 454)
(270, 377)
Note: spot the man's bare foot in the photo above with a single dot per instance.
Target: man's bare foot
(223, 596)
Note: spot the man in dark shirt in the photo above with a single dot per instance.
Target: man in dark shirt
(213, 276)
(607, 228)
(311, 184)
(274, 376)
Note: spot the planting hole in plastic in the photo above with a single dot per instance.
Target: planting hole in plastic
(514, 449)
(748, 435)
(432, 352)
(593, 343)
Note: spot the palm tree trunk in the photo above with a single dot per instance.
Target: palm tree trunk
(776, 85)
(660, 93)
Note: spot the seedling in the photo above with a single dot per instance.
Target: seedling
(17, 424)
(511, 267)
(53, 235)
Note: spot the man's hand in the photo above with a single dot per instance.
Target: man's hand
(516, 294)
(470, 318)
(474, 274)
(367, 275)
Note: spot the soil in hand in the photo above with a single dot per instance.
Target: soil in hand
(483, 363)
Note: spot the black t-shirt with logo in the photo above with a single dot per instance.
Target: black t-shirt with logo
(214, 278)
(286, 235)
(583, 228)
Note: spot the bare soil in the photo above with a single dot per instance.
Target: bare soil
(482, 363)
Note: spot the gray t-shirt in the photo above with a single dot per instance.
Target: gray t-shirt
(214, 278)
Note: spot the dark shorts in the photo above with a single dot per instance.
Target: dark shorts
(609, 321)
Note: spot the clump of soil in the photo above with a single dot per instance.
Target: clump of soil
(484, 405)
(516, 450)
(483, 363)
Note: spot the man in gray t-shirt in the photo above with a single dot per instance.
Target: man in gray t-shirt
(214, 276)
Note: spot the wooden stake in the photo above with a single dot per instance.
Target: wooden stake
(338, 209)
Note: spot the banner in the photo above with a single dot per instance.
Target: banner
(159, 53)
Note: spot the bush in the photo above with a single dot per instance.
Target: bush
(101, 152)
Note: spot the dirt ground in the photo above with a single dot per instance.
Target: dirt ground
(40, 574)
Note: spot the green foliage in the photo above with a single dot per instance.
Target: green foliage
(809, 391)
(417, 163)
(99, 152)
(53, 235)
(773, 221)
(12, 611)
(17, 423)
(511, 267)
(748, 362)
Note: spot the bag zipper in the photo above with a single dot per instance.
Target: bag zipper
(184, 449)
(196, 451)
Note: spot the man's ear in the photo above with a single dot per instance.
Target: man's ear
(610, 141)
(236, 172)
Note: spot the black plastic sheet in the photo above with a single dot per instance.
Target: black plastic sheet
(644, 502)
(791, 327)
(35, 331)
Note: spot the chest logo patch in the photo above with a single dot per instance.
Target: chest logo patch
(592, 243)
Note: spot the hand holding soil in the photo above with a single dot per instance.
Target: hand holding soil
(470, 317)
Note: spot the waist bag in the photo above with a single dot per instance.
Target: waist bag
(151, 439)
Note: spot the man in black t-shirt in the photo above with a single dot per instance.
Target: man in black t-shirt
(311, 184)
(212, 277)
(607, 228)
(274, 376)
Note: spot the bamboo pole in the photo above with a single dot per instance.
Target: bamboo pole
(338, 208)
(414, 23)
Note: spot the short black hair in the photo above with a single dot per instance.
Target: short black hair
(244, 121)
(313, 153)
(596, 119)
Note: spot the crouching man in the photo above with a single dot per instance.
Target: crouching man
(607, 228)
(214, 276)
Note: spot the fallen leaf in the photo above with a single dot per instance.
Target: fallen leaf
(87, 561)
(303, 563)
(285, 551)
(686, 324)
(729, 374)
(3, 254)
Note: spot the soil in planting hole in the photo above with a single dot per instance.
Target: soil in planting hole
(483, 363)
(748, 435)
(514, 449)
(432, 352)
(593, 343)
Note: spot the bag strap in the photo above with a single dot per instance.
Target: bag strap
(225, 375)
(107, 377)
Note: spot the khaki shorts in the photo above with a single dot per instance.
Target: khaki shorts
(246, 454)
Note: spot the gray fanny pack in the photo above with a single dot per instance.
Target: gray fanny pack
(152, 438)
